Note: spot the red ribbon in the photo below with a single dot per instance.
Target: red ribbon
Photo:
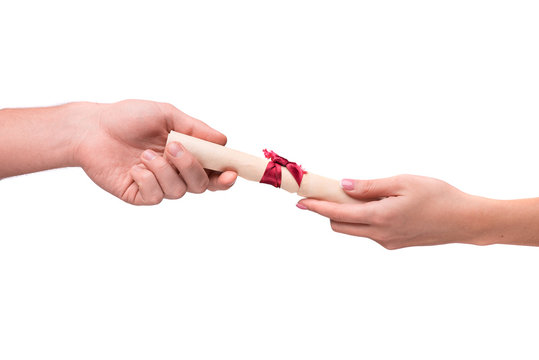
(272, 175)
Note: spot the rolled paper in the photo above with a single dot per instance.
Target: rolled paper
(219, 158)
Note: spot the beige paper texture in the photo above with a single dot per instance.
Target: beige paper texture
(219, 158)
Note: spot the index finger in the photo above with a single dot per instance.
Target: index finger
(349, 213)
(181, 122)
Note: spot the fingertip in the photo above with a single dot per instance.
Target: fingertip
(301, 205)
(306, 202)
(208, 133)
(223, 139)
(228, 178)
(217, 138)
(175, 149)
(148, 155)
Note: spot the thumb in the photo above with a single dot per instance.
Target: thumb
(372, 189)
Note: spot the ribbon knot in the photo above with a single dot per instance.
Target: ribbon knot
(272, 175)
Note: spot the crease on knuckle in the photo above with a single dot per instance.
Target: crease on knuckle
(160, 165)
(366, 187)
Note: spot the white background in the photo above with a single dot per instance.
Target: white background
(361, 89)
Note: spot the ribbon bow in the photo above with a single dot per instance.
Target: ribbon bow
(272, 175)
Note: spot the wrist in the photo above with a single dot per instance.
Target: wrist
(497, 221)
(80, 120)
(479, 219)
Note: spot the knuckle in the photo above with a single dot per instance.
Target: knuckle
(146, 176)
(155, 199)
(160, 164)
(176, 193)
(365, 187)
(205, 183)
(167, 105)
(200, 186)
(404, 176)
(188, 162)
(403, 179)
(167, 108)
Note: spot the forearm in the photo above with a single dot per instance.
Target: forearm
(507, 222)
(38, 139)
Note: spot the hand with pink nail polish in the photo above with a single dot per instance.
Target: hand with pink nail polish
(120, 146)
(409, 210)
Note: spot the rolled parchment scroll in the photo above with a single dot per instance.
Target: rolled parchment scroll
(219, 158)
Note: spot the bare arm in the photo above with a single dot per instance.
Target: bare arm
(40, 138)
(411, 210)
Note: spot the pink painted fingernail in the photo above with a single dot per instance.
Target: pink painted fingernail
(175, 149)
(301, 206)
(347, 184)
(149, 155)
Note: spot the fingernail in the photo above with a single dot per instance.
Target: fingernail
(301, 206)
(149, 155)
(347, 184)
(175, 149)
